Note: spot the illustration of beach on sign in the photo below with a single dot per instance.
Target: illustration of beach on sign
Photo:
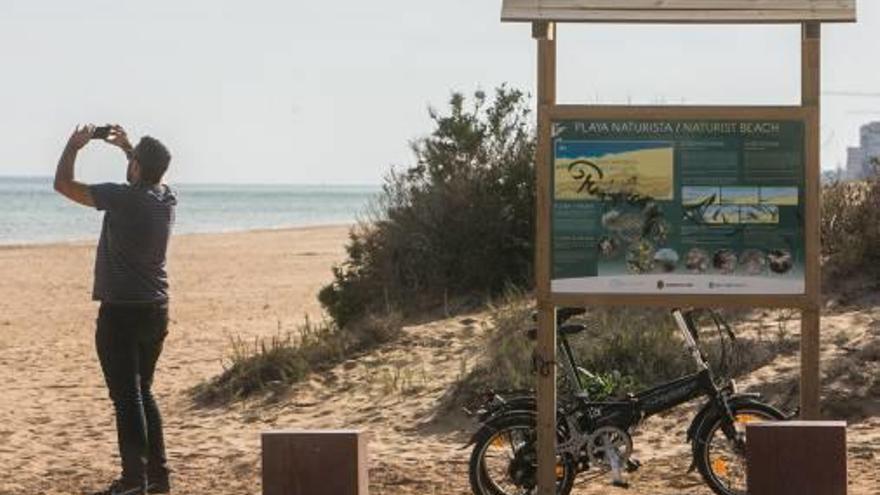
(601, 170)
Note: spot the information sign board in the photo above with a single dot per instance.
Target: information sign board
(682, 206)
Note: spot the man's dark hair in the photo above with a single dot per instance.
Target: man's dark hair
(153, 158)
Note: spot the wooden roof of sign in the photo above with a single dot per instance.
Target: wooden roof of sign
(680, 11)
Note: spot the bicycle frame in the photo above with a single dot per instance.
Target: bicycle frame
(675, 393)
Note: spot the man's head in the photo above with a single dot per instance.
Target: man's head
(148, 161)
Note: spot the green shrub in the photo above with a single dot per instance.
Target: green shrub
(850, 231)
(457, 223)
(623, 350)
(641, 344)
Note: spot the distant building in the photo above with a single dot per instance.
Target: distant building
(860, 161)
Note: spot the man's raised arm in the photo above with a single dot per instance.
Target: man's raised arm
(64, 181)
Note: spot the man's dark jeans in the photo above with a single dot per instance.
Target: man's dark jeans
(129, 341)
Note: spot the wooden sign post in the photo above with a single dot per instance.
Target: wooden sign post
(768, 203)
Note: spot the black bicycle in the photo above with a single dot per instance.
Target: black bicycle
(597, 434)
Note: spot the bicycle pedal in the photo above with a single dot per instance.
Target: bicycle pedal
(632, 465)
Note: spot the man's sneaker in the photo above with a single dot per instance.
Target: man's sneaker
(161, 486)
(120, 487)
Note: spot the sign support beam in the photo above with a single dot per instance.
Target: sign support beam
(810, 317)
(545, 34)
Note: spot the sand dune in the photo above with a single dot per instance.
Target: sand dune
(56, 430)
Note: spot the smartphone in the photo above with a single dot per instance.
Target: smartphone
(101, 132)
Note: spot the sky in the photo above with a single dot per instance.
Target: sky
(333, 92)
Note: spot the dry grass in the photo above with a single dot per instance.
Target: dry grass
(275, 363)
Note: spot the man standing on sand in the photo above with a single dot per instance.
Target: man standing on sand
(132, 285)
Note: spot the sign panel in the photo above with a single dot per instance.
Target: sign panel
(678, 207)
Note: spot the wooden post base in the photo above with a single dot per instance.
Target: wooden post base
(796, 458)
(321, 462)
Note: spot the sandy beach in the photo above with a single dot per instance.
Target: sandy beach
(56, 425)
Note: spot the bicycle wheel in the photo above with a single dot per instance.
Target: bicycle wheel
(722, 460)
(505, 460)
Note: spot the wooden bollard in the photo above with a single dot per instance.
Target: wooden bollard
(796, 458)
(316, 462)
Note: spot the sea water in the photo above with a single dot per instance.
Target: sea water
(32, 212)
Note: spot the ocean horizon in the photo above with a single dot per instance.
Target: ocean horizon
(33, 213)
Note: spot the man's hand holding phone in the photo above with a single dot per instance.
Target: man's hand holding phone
(112, 134)
(115, 135)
